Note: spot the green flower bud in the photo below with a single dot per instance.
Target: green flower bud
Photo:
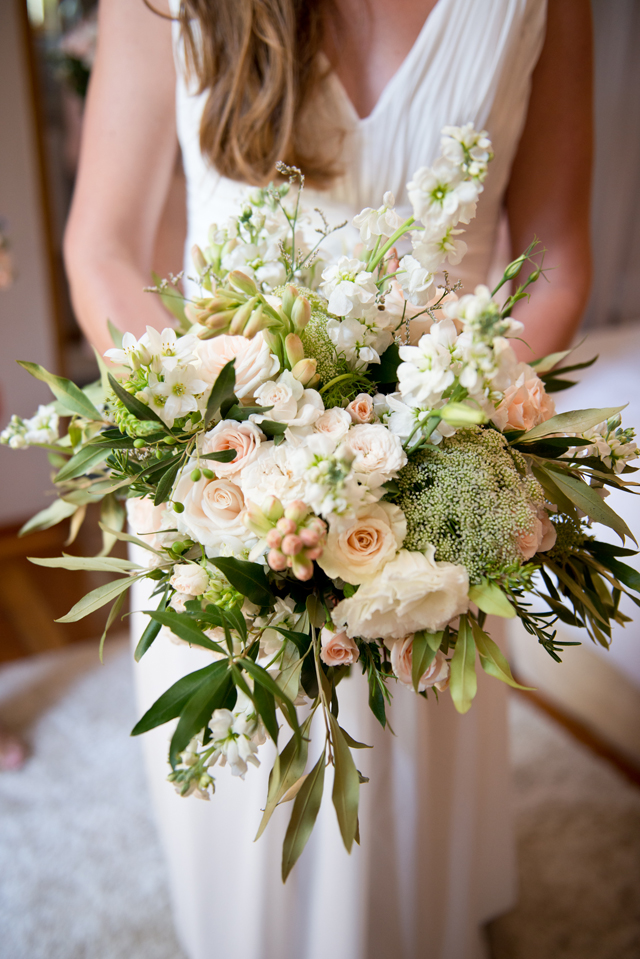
(514, 268)
(139, 443)
(208, 473)
(294, 348)
(198, 259)
(257, 322)
(242, 283)
(301, 313)
(195, 475)
(304, 371)
(289, 298)
(241, 316)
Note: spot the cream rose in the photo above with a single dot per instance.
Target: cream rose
(436, 674)
(254, 361)
(146, 519)
(525, 403)
(212, 511)
(411, 592)
(333, 423)
(189, 578)
(244, 438)
(337, 649)
(361, 409)
(357, 549)
(378, 453)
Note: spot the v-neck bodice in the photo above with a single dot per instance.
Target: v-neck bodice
(470, 62)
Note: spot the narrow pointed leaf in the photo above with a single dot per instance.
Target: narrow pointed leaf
(66, 392)
(248, 578)
(151, 631)
(287, 769)
(115, 334)
(491, 600)
(113, 612)
(97, 598)
(81, 463)
(222, 389)
(577, 421)
(99, 564)
(198, 710)
(353, 743)
(346, 785)
(49, 517)
(303, 817)
(586, 499)
(491, 658)
(260, 675)
(139, 410)
(422, 655)
(183, 626)
(464, 682)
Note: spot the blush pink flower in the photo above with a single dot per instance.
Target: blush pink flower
(337, 649)
(245, 438)
(525, 403)
(361, 409)
(436, 674)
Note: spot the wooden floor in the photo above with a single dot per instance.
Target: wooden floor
(33, 597)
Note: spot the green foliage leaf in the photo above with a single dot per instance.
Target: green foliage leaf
(248, 578)
(266, 706)
(287, 770)
(99, 564)
(166, 481)
(115, 334)
(387, 370)
(112, 514)
(49, 517)
(586, 499)
(183, 626)
(66, 392)
(464, 682)
(197, 712)
(222, 389)
(577, 421)
(271, 428)
(221, 456)
(346, 785)
(422, 655)
(139, 410)
(260, 675)
(491, 600)
(353, 743)
(151, 631)
(303, 817)
(113, 612)
(491, 658)
(171, 703)
(81, 463)
(300, 640)
(96, 599)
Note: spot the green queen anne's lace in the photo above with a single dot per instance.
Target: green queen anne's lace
(471, 498)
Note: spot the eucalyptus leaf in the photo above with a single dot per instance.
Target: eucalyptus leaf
(248, 578)
(97, 598)
(346, 785)
(112, 514)
(586, 499)
(464, 682)
(577, 421)
(172, 702)
(66, 392)
(491, 600)
(491, 658)
(303, 817)
(49, 517)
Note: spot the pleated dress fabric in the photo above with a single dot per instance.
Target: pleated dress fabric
(436, 859)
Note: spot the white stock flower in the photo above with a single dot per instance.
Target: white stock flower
(406, 421)
(410, 593)
(377, 453)
(330, 486)
(378, 224)
(359, 343)
(356, 549)
(468, 148)
(254, 362)
(292, 404)
(417, 281)
(432, 248)
(232, 744)
(439, 196)
(349, 288)
(175, 395)
(426, 369)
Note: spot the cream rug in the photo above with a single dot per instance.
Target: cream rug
(81, 876)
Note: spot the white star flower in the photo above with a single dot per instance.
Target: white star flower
(175, 396)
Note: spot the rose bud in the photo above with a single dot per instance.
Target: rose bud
(309, 537)
(305, 370)
(314, 553)
(296, 511)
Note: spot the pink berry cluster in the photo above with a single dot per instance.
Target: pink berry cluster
(295, 536)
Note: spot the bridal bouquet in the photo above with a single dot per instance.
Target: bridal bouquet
(336, 465)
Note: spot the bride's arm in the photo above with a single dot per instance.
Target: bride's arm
(128, 154)
(549, 189)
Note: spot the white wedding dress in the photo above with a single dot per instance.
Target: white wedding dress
(436, 859)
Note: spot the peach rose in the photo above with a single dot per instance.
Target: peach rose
(254, 361)
(244, 438)
(212, 511)
(337, 649)
(361, 409)
(356, 549)
(540, 538)
(525, 403)
(437, 674)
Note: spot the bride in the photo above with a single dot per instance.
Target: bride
(355, 92)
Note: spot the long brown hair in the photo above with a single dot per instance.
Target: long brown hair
(259, 61)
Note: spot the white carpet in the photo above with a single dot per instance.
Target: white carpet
(81, 876)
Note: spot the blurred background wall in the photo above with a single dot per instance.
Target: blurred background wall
(46, 52)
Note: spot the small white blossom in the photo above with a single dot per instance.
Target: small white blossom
(416, 280)
(440, 196)
(378, 225)
(426, 371)
(175, 395)
(40, 429)
(166, 349)
(132, 352)
(349, 288)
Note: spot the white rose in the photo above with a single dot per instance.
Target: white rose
(337, 649)
(254, 361)
(361, 409)
(212, 510)
(177, 602)
(437, 674)
(357, 549)
(334, 423)
(378, 453)
(410, 593)
(244, 438)
(292, 404)
(189, 578)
